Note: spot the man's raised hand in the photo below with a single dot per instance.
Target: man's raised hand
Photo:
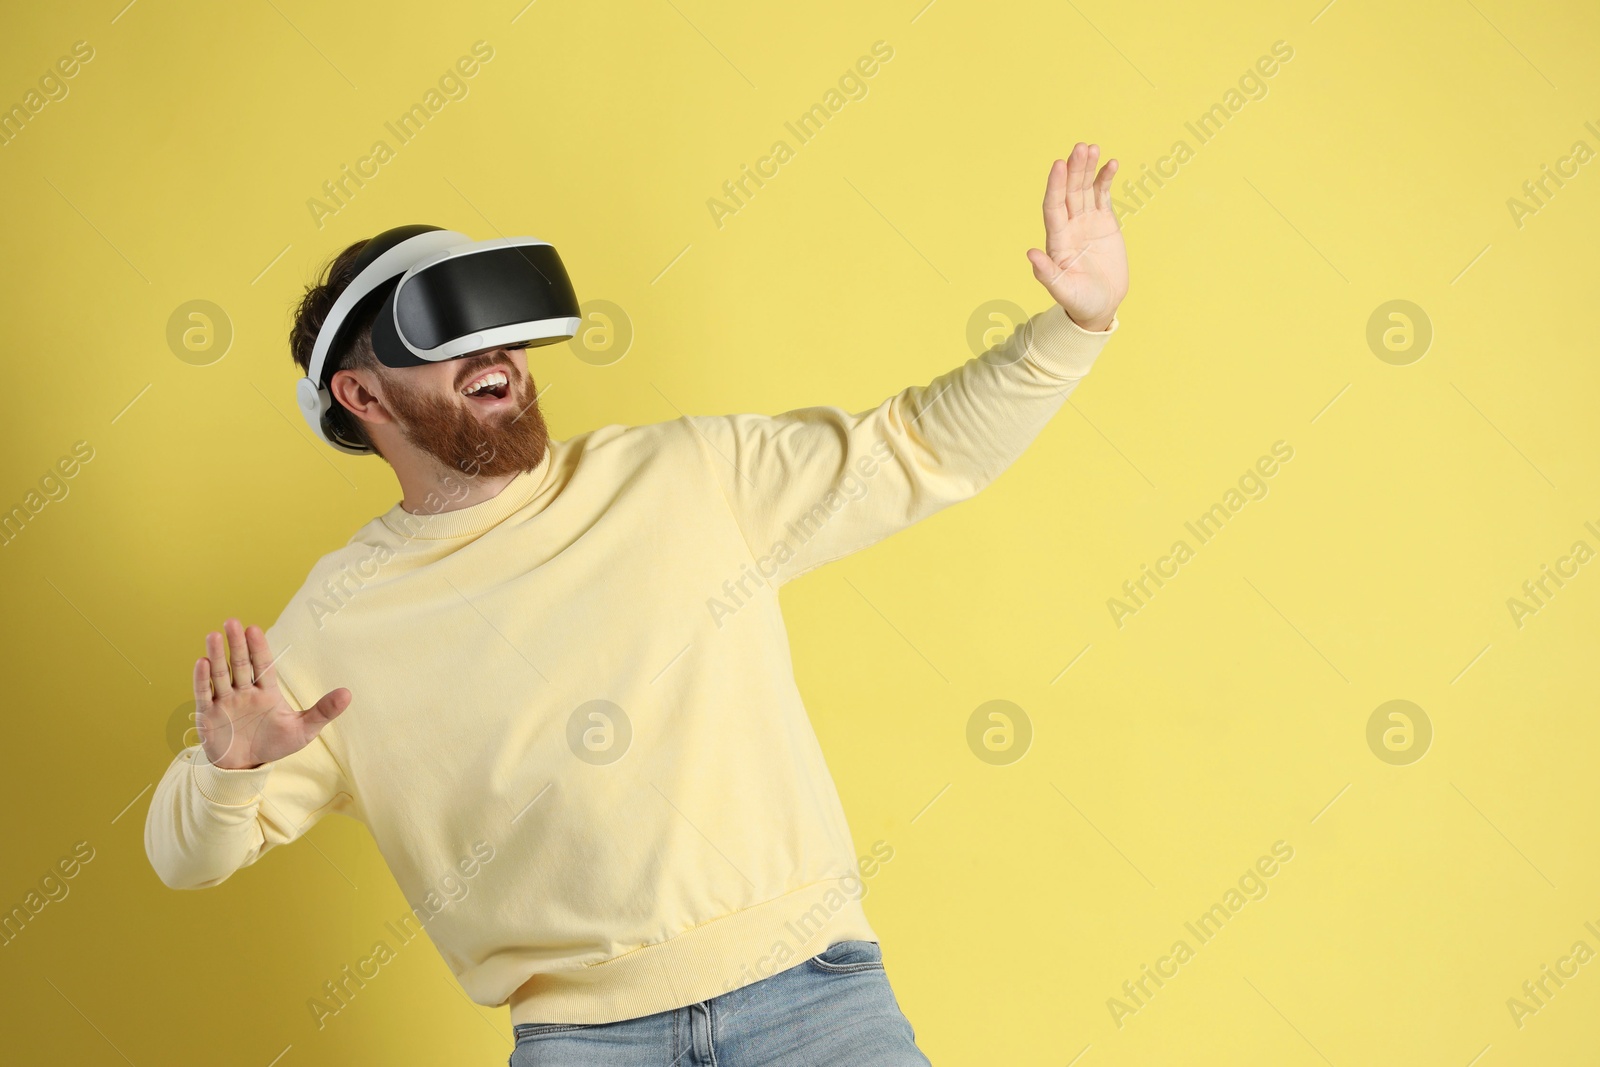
(243, 718)
(1084, 264)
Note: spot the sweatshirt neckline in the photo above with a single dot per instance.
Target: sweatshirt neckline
(475, 518)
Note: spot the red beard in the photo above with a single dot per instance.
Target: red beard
(509, 442)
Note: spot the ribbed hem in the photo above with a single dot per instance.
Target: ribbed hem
(705, 961)
(477, 518)
(231, 788)
(1062, 347)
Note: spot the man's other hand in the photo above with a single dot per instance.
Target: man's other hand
(243, 718)
(1084, 264)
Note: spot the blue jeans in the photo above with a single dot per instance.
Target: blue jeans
(833, 1010)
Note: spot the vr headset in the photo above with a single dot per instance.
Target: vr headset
(440, 295)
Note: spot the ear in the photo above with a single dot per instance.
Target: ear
(357, 391)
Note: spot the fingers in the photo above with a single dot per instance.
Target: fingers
(330, 707)
(1055, 197)
(202, 677)
(1044, 269)
(260, 655)
(229, 656)
(209, 717)
(238, 655)
(1079, 165)
(1102, 185)
(217, 654)
(1074, 188)
(202, 685)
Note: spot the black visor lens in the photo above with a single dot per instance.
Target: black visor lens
(484, 290)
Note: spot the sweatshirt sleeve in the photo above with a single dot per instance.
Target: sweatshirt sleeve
(815, 484)
(206, 822)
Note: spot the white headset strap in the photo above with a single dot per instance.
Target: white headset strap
(386, 267)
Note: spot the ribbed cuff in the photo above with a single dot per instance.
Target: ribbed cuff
(233, 788)
(1061, 346)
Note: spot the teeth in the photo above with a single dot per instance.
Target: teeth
(489, 380)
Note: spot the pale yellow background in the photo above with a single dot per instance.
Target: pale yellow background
(1224, 717)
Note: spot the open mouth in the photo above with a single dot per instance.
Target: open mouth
(488, 388)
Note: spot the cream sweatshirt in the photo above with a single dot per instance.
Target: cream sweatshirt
(575, 733)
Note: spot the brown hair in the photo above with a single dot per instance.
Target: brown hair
(355, 353)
